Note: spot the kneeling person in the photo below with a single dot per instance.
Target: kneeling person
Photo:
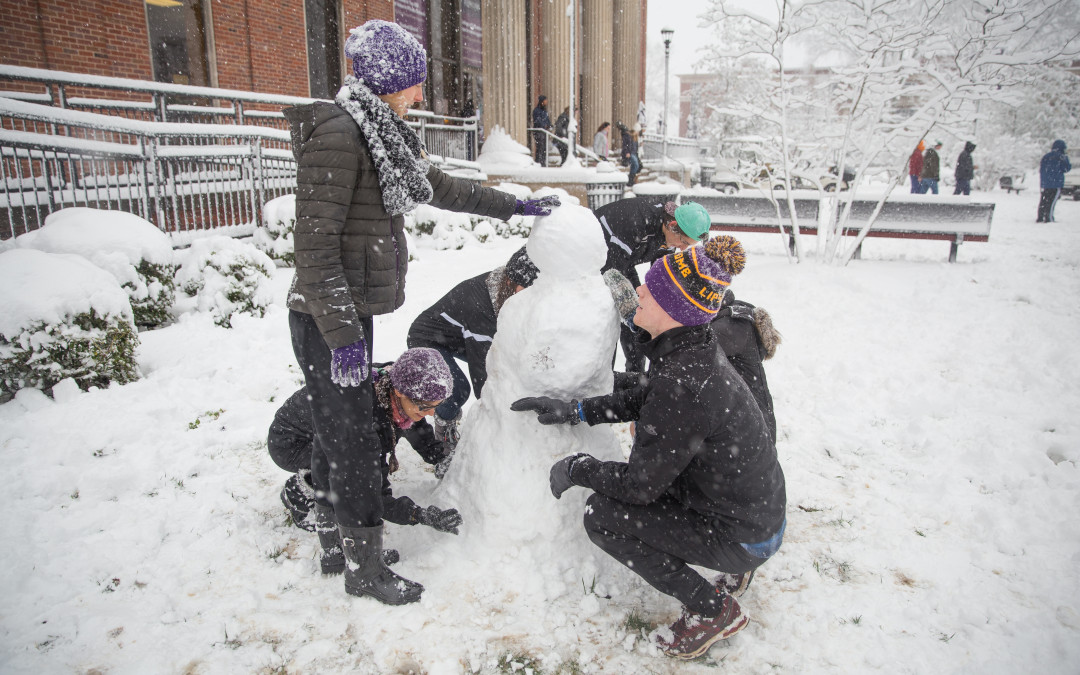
(406, 391)
(702, 485)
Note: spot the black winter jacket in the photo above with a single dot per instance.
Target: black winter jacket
(931, 166)
(700, 438)
(965, 166)
(742, 344)
(634, 232)
(292, 426)
(463, 322)
(351, 255)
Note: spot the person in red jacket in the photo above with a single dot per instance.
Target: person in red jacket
(915, 169)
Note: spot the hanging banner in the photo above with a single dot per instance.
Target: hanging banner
(472, 48)
(412, 15)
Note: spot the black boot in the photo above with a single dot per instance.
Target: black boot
(367, 574)
(298, 496)
(332, 559)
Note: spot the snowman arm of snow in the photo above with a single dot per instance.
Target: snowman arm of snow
(323, 196)
(671, 429)
(464, 196)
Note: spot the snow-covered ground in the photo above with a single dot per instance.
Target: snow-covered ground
(927, 428)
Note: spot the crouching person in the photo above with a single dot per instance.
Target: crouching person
(406, 391)
(702, 485)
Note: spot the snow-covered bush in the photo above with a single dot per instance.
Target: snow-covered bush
(275, 237)
(62, 317)
(133, 250)
(224, 276)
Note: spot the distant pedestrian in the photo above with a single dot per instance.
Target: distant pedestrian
(931, 169)
(628, 150)
(601, 144)
(965, 170)
(1055, 164)
(915, 163)
(562, 129)
(540, 120)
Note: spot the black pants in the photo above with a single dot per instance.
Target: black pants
(563, 149)
(540, 153)
(346, 458)
(1046, 205)
(659, 541)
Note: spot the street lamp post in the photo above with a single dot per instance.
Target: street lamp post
(667, 33)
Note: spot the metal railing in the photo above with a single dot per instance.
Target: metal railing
(445, 136)
(52, 158)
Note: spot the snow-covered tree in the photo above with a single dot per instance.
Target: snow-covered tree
(905, 68)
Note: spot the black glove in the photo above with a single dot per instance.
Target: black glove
(560, 474)
(551, 410)
(443, 521)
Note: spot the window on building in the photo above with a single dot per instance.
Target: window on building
(323, 47)
(178, 41)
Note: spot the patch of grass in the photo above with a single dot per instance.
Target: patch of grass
(275, 553)
(946, 638)
(635, 623)
(75, 494)
(571, 667)
(809, 509)
(520, 662)
(841, 521)
(920, 532)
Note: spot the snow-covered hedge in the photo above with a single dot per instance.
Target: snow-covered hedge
(62, 316)
(224, 276)
(133, 250)
(275, 237)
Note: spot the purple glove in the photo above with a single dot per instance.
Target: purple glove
(348, 364)
(537, 207)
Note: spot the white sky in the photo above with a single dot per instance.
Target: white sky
(689, 39)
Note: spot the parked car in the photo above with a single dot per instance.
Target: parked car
(1072, 185)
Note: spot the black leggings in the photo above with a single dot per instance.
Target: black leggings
(346, 457)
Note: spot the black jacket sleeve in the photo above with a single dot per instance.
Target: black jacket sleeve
(657, 459)
(458, 194)
(422, 439)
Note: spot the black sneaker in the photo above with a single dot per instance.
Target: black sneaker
(693, 634)
(298, 496)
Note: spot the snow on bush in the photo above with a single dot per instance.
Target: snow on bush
(275, 237)
(133, 250)
(62, 317)
(225, 276)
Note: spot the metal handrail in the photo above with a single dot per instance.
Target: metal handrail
(445, 135)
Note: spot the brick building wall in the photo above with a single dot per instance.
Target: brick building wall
(259, 45)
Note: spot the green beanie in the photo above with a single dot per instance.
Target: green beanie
(694, 220)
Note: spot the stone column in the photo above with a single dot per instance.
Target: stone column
(626, 73)
(503, 25)
(596, 48)
(555, 55)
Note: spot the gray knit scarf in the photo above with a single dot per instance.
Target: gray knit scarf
(397, 151)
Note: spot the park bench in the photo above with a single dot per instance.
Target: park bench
(931, 218)
(1008, 185)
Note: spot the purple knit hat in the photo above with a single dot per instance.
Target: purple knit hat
(421, 374)
(385, 57)
(689, 285)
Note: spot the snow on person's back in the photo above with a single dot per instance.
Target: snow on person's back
(555, 338)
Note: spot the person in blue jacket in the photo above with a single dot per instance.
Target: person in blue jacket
(1055, 164)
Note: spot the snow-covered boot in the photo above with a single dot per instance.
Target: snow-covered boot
(692, 634)
(298, 496)
(734, 584)
(332, 558)
(447, 431)
(367, 574)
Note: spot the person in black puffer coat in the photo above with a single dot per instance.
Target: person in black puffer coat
(461, 325)
(965, 170)
(748, 337)
(406, 392)
(703, 485)
(360, 167)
